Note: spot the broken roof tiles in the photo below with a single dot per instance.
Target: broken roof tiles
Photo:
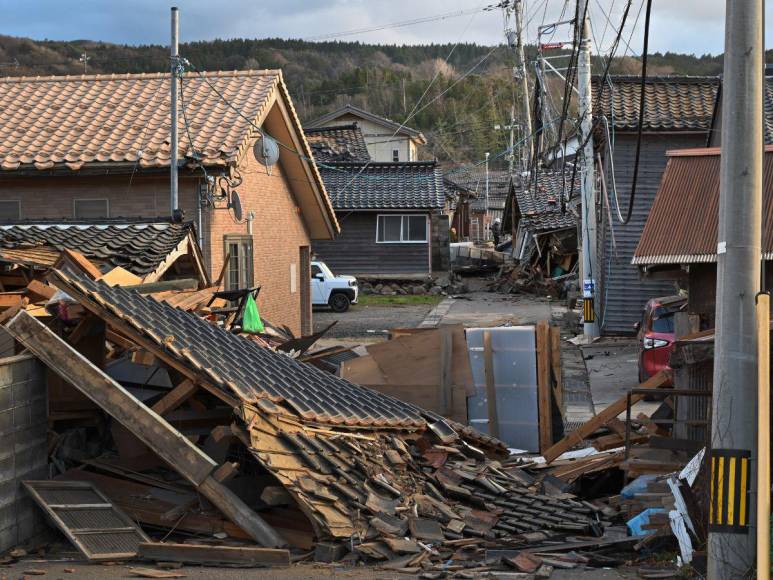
(238, 365)
(137, 246)
(339, 143)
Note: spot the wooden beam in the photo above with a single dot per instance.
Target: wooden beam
(544, 397)
(446, 359)
(215, 555)
(149, 427)
(82, 329)
(555, 364)
(612, 411)
(491, 389)
(175, 397)
(151, 287)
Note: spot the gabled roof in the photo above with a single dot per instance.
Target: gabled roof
(274, 382)
(683, 223)
(72, 123)
(349, 109)
(416, 185)
(338, 143)
(138, 245)
(673, 103)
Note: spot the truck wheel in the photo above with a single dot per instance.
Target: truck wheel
(339, 302)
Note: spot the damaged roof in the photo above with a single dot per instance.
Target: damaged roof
(540, 207)
(673, 103)
(340, 143)
(136, 245)
(273, 381)
(414, 185)
(475, 182)
(683, 223)
(350, 110)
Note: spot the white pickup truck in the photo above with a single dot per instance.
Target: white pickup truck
(327, 289)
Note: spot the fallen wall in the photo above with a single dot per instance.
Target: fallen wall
(24, 453)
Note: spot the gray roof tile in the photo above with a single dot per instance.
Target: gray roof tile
(341, 143)
(416, 185)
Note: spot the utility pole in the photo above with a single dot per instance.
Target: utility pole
(486, 216)
(85, 58)
(526, 147)
(734, 454)
(587, 182)
(174, 58)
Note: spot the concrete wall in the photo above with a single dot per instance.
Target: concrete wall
(24, 453)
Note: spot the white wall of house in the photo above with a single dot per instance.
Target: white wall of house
(381, 144)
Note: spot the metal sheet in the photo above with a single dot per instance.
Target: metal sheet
(515, 380)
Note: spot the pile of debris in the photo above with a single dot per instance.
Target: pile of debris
(523, 277)
(213, 440)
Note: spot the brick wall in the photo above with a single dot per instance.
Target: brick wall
(24, 453)
(278, 230)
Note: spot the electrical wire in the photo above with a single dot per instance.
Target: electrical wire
(642, 107)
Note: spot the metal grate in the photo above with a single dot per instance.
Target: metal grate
(87, 517)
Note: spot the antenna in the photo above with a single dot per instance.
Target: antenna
(266, 151)
(235, 205)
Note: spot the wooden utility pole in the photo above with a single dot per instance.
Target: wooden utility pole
(174, 58)
(732, 522)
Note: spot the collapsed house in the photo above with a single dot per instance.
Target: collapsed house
(176, 409)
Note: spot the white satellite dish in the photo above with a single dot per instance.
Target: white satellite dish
(235, 205)
(266, 150)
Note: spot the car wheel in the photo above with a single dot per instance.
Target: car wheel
(339, 302)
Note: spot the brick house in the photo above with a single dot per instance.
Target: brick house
(98, 147)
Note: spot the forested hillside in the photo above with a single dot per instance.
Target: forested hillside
(472, 92)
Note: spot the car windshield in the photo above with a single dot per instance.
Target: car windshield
(328, 272)
(664, 324)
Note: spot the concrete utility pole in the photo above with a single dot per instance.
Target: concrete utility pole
(732, 523)
(486, 215)
(174, 204)
(589, 270)
(526, 147)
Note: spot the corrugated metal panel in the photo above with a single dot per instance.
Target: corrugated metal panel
(684, 221)
(623, 292)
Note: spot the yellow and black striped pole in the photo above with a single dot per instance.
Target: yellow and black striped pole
(730, 485)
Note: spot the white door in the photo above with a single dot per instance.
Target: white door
(317, 286)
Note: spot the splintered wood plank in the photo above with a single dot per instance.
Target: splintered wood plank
(491, 388)
(544, 397)
(96, 527)
(217, 555)
(612, 411)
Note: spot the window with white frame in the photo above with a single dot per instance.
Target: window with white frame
(10, 210)
(395, 229)
(239, 272)
(90, 208)
(396, 155)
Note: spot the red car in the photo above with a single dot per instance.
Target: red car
(656, 333)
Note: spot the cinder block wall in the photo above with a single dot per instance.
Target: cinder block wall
(24, 450)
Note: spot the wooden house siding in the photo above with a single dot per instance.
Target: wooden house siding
(622, 292)
(356, 252)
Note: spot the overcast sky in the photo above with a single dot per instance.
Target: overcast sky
(692, 26)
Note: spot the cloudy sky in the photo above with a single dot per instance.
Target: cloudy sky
(692, 26)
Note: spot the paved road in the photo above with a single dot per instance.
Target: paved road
(363, 321)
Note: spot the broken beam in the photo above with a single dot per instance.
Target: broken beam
(217, 555)
(612, 411)
(149, 427)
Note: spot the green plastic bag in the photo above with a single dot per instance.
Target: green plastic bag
(251, 321)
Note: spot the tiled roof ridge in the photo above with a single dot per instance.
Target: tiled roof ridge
(346, 127)
(117, 220)
(396, 164)
(662, 78)
(140, 76)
